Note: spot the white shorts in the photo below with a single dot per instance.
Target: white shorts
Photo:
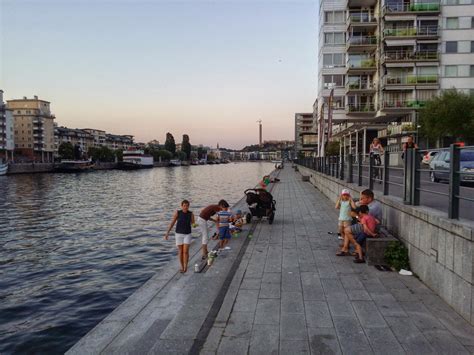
(182, 238)
(202, 223)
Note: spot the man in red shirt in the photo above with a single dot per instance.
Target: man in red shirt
(206, 215)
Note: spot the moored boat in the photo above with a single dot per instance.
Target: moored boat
(73, 166)
(175, 162)
(135, 159)
(3, 168)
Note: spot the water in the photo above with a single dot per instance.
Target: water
(74, 246)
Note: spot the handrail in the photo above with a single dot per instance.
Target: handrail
(414, 7)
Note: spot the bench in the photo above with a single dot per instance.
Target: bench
(375, 247)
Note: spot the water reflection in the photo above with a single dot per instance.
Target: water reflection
(73, 247)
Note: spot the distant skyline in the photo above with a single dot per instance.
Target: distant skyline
(209, 69)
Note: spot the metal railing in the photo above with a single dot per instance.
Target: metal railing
(361, 40)
(360, 85)
(425, 31)
(413, 7)
(409, 104)
(410, 79)
(410, 55)
(408, 181)
(365, 107)
(361, 64)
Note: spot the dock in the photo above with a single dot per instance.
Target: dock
(282, 291)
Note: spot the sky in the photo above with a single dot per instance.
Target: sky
(209, 69)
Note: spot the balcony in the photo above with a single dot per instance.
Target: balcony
(37, 121)
(411, 32)
(396, 105)
(361, 3)
(361, 19)
(360, 86)
(362, 108)
(403, 9)
(402, 56)
(364, 66)
(361, 43)
(408, 80)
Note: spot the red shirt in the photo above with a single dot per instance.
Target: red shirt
(369, 221)
(209, 211)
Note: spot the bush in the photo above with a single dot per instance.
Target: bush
(396, 255)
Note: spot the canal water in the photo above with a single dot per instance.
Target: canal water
(74, 246)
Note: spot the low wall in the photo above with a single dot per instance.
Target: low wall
(29, 168)
(441, 250)
(105, 166)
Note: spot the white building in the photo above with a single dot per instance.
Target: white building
(7, 142)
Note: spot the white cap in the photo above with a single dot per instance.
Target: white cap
(345, 192)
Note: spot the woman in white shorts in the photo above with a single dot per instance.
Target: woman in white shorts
(184, 219)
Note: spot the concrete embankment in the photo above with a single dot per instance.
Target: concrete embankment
(441, 250)
(29, 168)
(171, 312)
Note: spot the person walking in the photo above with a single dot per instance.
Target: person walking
(183, 218)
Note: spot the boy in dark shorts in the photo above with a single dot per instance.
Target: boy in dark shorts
(365, 229)
(223, 222)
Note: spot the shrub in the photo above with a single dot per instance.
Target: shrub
(396, 255)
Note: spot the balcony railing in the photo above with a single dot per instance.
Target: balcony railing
(362, 40)
(411, 79)
(357, 17)
(422, 31)
(365, 107)
(360, 85)
(414, 7)
(361, 64)
(409, 55)
(409, 104)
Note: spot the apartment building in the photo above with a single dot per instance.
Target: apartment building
(118, 142)
(306, 134)
(77, 137)
(33, 128)
(98, 135)
(6, 131)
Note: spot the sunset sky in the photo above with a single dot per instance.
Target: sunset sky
(210, 69)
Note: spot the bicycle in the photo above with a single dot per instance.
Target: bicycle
(377, 170)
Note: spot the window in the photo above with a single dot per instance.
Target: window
(332, 81)
(451, 70)
(472, 22)
(472, 46)
(471, 70)
(452, 23)
(334, 16)
(332, 60)
(334, 38)
(451, 47)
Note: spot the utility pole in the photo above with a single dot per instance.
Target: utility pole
(259, 133)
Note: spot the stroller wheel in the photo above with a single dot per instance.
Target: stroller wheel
(271, 218)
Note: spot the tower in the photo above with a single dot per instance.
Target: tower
(259, 133)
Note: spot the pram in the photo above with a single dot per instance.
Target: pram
(261, 204)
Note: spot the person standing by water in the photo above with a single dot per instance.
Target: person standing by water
(183, 218)
(223, 224)
(206, 215)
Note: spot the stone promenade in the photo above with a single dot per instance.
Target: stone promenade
(291, 294)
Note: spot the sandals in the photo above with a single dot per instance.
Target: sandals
(343, 253)
(359, 261)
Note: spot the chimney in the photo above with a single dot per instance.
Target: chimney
(25, 98)
(36, 97)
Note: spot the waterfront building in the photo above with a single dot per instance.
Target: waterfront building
(33, 128)
(6, 131)
(77, 137)
(385, 60)
(306, 135)
(98, 135)
(120, 142)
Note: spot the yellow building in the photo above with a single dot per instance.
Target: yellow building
(33, 128)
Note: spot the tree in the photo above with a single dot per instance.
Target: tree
(170, 144)
(164, 155)
(119, 154)
(102, 154)
(201, 152)
(181, 155)
(332, 148)
(66, 150)
(186, 146)
(450, 114)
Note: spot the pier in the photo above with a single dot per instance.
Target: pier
(282, 291)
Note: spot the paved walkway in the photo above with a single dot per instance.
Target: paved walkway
(291, 294)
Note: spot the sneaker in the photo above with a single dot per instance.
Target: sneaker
(227, 248)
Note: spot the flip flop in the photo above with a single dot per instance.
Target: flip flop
(342, 253)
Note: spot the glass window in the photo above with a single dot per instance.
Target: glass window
(339, 38)
(327, 60)
(472, 22)
(329, 38)
(451, 70)
(328, 17)
(471, 70)
(339, 59)
(339, 16)
(472, 46)
(451, 47)
(452, 23)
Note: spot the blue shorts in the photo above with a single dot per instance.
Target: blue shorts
(361, 237)
(224, 233)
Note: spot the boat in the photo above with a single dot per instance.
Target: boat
(202, 162)
(175, 162)
(134, 159)
(73, 166)
(3, 168)
(194, 162)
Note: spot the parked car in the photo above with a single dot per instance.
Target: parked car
(429, 156)
(440, 165)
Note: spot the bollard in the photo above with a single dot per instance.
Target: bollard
(454, 181)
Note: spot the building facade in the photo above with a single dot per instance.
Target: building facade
(6, 132)
(397, 55)
(118, 142)
(33, 129)
(98, 135)
(306, 135)
(77, 137)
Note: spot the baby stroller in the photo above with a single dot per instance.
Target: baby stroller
(261, 204)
